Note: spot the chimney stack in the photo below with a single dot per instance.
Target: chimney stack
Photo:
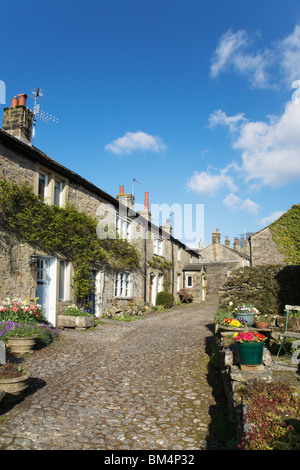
(167, 227)
(227, 242)
(216, 237)
(125, 199)
(17, 120)
(236, 244)
(146, 212)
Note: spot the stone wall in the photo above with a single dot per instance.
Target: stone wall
(268, 288)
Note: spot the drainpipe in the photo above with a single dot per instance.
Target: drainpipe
(250, 245)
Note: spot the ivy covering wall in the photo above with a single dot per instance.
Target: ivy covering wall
(286, 234)
(64, 232)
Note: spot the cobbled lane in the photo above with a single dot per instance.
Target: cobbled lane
(139, 385)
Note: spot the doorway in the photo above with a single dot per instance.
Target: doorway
(46, 287)
(152, 289)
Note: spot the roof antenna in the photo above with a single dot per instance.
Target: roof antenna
(37, 112)
(134, 181)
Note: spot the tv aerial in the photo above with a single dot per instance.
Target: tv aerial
(134, 181)
(38, 94)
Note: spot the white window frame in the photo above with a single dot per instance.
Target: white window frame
(158, 246)
(189, 276)
(123, 227)
(123, 285)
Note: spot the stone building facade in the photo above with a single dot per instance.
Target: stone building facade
(219, 260)
(264, 250)
(51, 278)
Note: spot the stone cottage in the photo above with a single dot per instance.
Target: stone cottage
(219, 260)
(25, 273)
(278, 243)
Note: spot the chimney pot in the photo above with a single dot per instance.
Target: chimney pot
(146, 200)
(121, 189)
(22, 99)
(14, 102)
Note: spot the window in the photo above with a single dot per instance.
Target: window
(189, 281)
(123, 285)
(58, 188)
(157, 246)
(43, 183)
(178, 254)
(123, 228)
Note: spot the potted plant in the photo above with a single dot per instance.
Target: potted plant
(246, 312)
(75, 317)
(234, 322)
(21, 338)
(13, 381)
(250, 347)
(262, 321)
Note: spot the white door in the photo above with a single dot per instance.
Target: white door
(153, 289)
(46, 287)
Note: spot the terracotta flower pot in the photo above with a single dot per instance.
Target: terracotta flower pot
(261, 324)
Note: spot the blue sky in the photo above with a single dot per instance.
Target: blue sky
(192, 98)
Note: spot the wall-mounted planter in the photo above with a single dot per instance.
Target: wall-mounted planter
(78, 322)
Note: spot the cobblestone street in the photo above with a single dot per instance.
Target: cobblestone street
(138, 385)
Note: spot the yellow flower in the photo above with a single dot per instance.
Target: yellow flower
(235, 334)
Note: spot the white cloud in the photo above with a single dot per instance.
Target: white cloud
(270, 151)
(237, 204)
(209, 184)
(264, 67)
(271, 218)
(136, 141)
(232, 52)
(219, 117)
(289, 55)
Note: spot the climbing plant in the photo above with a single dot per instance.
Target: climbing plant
(163, 266)
(286, 234)
(65, 232)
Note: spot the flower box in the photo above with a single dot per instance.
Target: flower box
(78, 322)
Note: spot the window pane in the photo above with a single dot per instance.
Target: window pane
(57, 192)
(42, 184)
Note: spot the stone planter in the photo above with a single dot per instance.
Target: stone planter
(20, 345)
(14, 387)
(250, 354)
(248, 317)
(78, 322)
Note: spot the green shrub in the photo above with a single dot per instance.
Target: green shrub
(273, 412)
(165, 298)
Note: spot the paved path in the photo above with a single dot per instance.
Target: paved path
(123, 385)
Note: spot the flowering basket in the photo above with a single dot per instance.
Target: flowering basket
(248, 337)
(234, 322)
(250, 347)
(246, 312)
